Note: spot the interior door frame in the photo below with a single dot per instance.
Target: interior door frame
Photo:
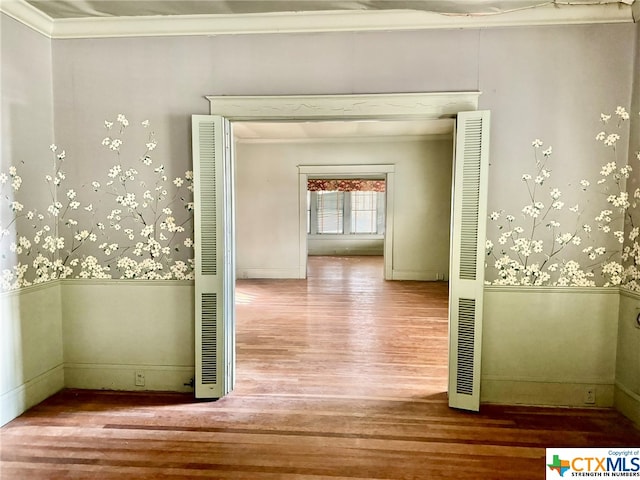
(396, 106)
(341, 171)
(420, 106)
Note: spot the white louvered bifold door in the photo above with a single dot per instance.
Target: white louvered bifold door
(214, 256)
(467, 258)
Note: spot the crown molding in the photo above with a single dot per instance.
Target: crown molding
(28, 15)
(317, 21)
(635, 11)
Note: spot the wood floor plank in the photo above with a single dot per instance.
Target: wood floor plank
(341, 376)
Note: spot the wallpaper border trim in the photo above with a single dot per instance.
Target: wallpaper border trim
(629, 293)
(557, 289)
(31, 288)
(124, 281)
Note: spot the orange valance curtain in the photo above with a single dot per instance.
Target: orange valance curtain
(346, 185)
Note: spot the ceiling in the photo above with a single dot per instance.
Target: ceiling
(68, 9)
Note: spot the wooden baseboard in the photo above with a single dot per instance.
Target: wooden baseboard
(267, 273)
(419, 275)
(166, 378)
(627, 403)
(552, 394)
(17, 401)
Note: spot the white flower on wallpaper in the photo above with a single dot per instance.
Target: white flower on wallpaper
(147, 220)
(551, 243)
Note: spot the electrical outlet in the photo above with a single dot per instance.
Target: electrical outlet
(139, 378)
(590, 395)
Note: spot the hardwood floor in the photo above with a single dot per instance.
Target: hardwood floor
(344, 331)
(339, 377)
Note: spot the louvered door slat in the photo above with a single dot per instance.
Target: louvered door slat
(214, 245)
(209, 346)
(207, 198)
(467, 254)
(466, 335)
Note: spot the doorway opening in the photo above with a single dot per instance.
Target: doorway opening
(346, 216)
(276, 164)
(347, 182)
(332, 325)
(215, 219)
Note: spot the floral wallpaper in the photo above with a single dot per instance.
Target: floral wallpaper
(529, 245)
(132, 222)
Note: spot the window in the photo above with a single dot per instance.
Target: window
(330, 212)
(364, 207)
(345, 213)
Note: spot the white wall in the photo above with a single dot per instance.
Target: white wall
(556, 97)
(94, 334)
(627, 394)
(27, 130)
(31, 348)
(114, 328)
(551, 84)
(30, 320)
(547, 346)
(345, 245)
(267, 225)
(27, 104)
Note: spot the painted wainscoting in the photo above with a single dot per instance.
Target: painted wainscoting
(541, 346)
(31, 348)
(115, 328)
(547, 346)
(627, 386)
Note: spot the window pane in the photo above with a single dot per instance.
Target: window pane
(330, 212)
(363, 222)
(364, 212)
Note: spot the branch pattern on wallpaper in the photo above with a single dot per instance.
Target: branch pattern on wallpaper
(137, 223)
(138, 238)
(534, 247)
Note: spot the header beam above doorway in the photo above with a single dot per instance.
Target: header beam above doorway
(395, 106)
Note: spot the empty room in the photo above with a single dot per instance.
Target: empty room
(319, 239)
